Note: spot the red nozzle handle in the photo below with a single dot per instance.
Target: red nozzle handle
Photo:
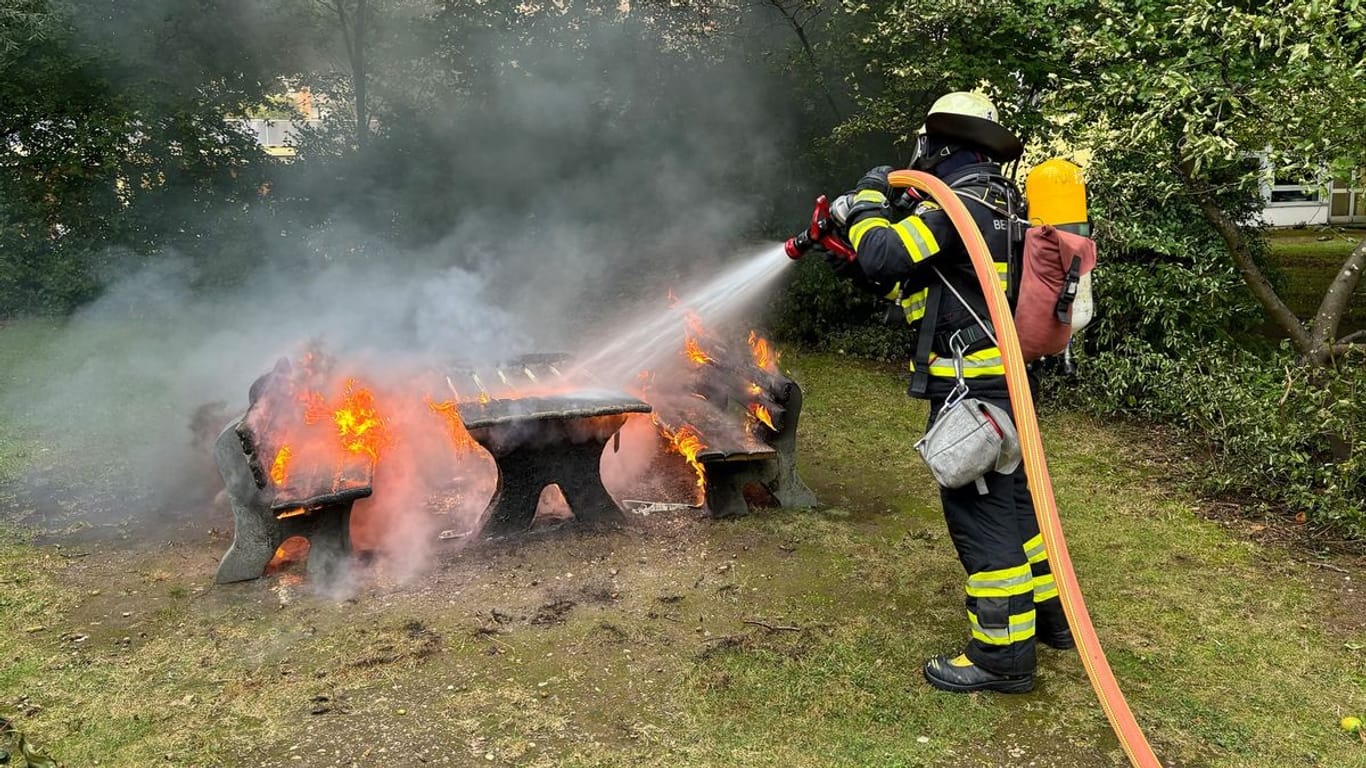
(820, 232)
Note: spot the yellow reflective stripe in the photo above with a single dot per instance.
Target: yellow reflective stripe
(864, 226)
(1006, 582)
(894, 294)
(1021, 628)
(914, 305)
(870, 196)
(986, 362)
(1003, 273)
(917, 238)
(1044, 587)
(1034, 549)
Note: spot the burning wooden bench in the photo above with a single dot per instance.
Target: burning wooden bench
(317, 508)
(308, 446)
(730, 453)
(769, 459)
(278, 490)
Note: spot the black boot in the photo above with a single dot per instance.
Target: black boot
(1050, 626)
(1057, 637)
(961, 676)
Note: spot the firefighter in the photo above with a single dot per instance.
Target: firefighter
(1012, 601)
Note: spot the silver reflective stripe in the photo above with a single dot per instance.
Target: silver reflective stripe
(944, 366)
(1045, 587)
(1021, 627)
(915, 305)
(1014, 584)
(920, 244)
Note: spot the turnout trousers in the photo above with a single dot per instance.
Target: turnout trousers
(1010, 590)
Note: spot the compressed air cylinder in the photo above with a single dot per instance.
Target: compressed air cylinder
(1057, 196)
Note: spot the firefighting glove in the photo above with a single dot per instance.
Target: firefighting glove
(876, 179)
(851, 206)
(840, 265)
(839, 209)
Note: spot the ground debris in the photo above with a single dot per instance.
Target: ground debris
(13, 741)
(553, 612)
(773, 627)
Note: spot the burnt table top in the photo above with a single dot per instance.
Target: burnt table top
(577, 404)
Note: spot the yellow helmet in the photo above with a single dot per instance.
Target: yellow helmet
(972, 117)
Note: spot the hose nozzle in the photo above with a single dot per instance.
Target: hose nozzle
(820, 232)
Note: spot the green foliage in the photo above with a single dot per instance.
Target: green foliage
(1163, 281)
(1208, 82)
(902, 56)
(116, 141)
(1280, 432)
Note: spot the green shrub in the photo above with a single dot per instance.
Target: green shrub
(1278, 432)
(1163, 277)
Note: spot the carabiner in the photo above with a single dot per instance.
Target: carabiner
(960, 389)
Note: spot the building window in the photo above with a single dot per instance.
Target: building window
(1294, 194)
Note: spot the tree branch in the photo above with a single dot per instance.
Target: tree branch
(340, 8)
(773, 627)
(791, 17)
(1242, 258)
(353, 37)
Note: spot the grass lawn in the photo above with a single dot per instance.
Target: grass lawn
(785, 638)
(1307, 264)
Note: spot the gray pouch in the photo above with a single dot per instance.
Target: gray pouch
(969, 439)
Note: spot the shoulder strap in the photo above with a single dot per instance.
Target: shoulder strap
(1016, 225)
(920, 377)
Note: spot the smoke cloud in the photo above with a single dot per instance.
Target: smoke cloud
(541, 199)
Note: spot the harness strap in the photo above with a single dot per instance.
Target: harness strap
(971, 336)
(924, 345)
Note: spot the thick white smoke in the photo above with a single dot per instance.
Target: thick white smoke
(582, 192)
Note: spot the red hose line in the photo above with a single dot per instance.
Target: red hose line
(1103, 681)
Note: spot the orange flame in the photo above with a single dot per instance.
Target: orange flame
(459, 435)
(291, 550)
(315, 406)
(279, 469)
(764, 355)
(692, 331)
(761, 414)
(694, 352)
(358, 425)
(688, 442)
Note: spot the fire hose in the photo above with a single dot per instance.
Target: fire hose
(1102, 678)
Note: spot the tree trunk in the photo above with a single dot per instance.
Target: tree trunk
(358, 73)
(1317, 343)
(353, 37)
(1335, 299)
(1241, 254)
